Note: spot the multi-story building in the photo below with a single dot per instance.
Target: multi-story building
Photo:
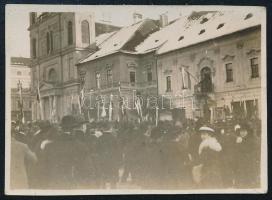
(117, 69)
(58, 41)
(203, 63)
(211, 66)
(20, 74)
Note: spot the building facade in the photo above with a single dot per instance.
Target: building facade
(117, 70)
(58, 41)
(215, 77)
(20, 74)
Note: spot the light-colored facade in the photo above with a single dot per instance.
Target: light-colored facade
(122, 72)
(58, 41)
(20, 72)
(234, 54)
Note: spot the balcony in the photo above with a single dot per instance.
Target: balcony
(203, 88)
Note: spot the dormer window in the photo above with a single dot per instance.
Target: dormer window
(220, 25)
(156, 40)
(204, 20)
(201, 32)
(181, 38)
(249, 15)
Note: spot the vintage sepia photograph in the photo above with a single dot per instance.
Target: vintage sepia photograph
(126, 99)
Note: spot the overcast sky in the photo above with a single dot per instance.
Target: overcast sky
(17, 20)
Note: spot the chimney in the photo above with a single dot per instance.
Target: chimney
(137, 17)
(163, 20)
(32, 17)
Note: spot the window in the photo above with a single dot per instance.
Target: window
(109, 76)
(51, 41)
(168, 84)
(206, 80)
(85, 32)
(19, 73)
(97, 80)
(201, 32)
(132, 77)
(254, 67)
(220, 26)
(70, 33)
(181, 38)
(47, 42)
(249, 15)
(52, 75)
(149, 75)
(29, 104)
(70, 68)
(34, 50)
(229, 72)
(204, 20)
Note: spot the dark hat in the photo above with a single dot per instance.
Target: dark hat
(68, 121)
(43, 124)
(81, 120)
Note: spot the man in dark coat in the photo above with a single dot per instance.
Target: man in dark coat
(63, 158)
(109, 155)
(246, 160)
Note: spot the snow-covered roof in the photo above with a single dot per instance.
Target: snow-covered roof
(183, 33)
(115, 42)
(103, 37)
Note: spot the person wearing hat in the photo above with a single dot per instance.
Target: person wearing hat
(109, 156)
(209, 152)
(247, 159)
(64, 157)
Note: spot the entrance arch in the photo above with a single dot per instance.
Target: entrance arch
(206, 79)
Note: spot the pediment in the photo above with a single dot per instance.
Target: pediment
(167, 71)
(253, 52)
(228, 58)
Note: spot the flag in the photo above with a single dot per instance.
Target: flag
(54, 109)
(39, 100)
(79, 104)
(189, 80)
(119, 88)
(157, 115)
(20, 88)
(185, 78)
(82, 97)
(138, 107)
(110, 108)
(103, 114)
(245, 108)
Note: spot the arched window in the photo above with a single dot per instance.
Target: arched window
(70, 33)
(52, 75)
(47, 42)
(206, 80)
(85, 32)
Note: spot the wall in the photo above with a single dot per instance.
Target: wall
(237, 48)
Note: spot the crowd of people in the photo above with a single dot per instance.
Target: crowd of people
(76, 154)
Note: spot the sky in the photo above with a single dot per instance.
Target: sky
(17, 19)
